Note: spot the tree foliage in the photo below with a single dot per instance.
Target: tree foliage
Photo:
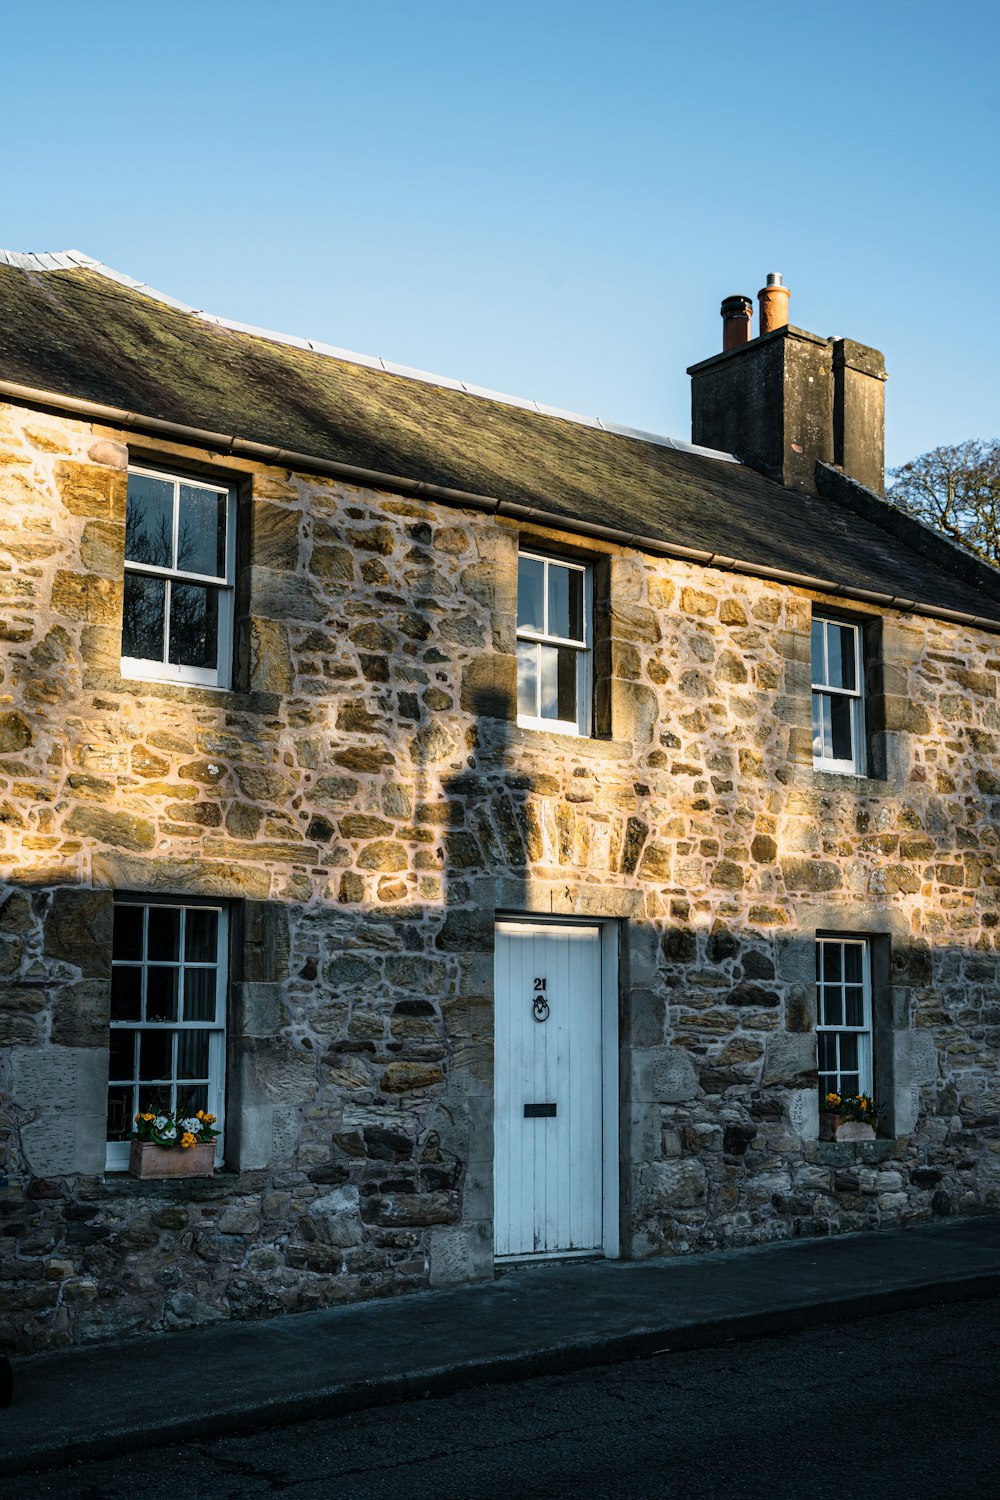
(956, 490)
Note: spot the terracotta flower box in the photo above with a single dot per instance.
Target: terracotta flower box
(841, 1128)
(149, 1160)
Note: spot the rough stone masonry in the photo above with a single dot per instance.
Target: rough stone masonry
(366, 801)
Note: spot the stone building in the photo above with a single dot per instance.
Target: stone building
(506, 823)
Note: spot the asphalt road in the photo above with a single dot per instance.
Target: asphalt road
(906, 1405)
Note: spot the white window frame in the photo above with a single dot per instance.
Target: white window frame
(857, 764)
(582, 724)
(830, 1082)
(117, 1152)
(220, 675)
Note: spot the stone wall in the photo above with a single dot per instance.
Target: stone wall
(366, 802)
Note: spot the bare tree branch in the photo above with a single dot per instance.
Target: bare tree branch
(956, 490)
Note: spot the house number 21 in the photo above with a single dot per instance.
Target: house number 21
(539, 1003)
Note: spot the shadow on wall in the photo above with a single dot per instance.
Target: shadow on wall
(359, 1059)
(359, 1141)
(374, 1078)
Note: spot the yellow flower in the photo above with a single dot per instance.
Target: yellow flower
(187, 1139)
(209, 1119)
(137, 1119)
(199, 1114)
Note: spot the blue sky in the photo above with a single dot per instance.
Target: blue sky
(549, 199)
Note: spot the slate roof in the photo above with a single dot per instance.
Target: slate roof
(72, 328)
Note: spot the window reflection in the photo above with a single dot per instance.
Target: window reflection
(531, 593)
(149, 521)
(553, 677)
(169, 619)
(143, 617)
(193, 633)
(527, 678)
(201, 532)
(565, 603)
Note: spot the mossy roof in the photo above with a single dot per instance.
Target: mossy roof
(77, 332)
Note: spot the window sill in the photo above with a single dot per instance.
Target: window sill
(844, 781)
(527, 737)
(565, 728)
(179, 1189)
(850, 1153)
(230, 699)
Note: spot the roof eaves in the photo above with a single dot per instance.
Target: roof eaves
(657, 546)
(833, 484)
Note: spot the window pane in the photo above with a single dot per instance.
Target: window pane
(161, 995)
(122, 1063)
(818, 669)
(199, 994)
(164, 933)
(850, 1083)
(192, 1054)
(854, 1005)
(568, 663)
(549, 682)
(201, 532)
(818, 701)
(840, 721)
(558, 684)
(194, 625)
(822, 716)
(127, 939)
(149, 522)
(827, 1052)
(840, 655)
(155, 1054)
(852, 962)
(120, 1114)
(527, 678)
(849, 1051)
(142, 617)
(565, 602)
(157, 1100)
(832, 956)
(191, 1098)
(831, 1007)
(126, 994)
(530, 584)
(201, 936)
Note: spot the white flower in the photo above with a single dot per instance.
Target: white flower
(159, 1122)
(170, 1134)
(192, 1124)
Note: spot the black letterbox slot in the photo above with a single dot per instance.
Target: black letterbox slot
(538, 1111)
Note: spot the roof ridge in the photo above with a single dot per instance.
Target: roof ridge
(77, 260)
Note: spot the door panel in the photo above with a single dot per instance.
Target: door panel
(548, 1172)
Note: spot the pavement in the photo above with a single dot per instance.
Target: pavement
(103, 1400)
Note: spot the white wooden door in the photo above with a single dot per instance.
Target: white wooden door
(549, 1092)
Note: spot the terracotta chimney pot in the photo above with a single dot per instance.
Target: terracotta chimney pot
(736, 315)
(773, 300)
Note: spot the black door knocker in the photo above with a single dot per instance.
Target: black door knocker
(539, 1004)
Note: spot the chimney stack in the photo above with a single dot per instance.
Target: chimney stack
(773, 300)
(787, 399)
(736, 315)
